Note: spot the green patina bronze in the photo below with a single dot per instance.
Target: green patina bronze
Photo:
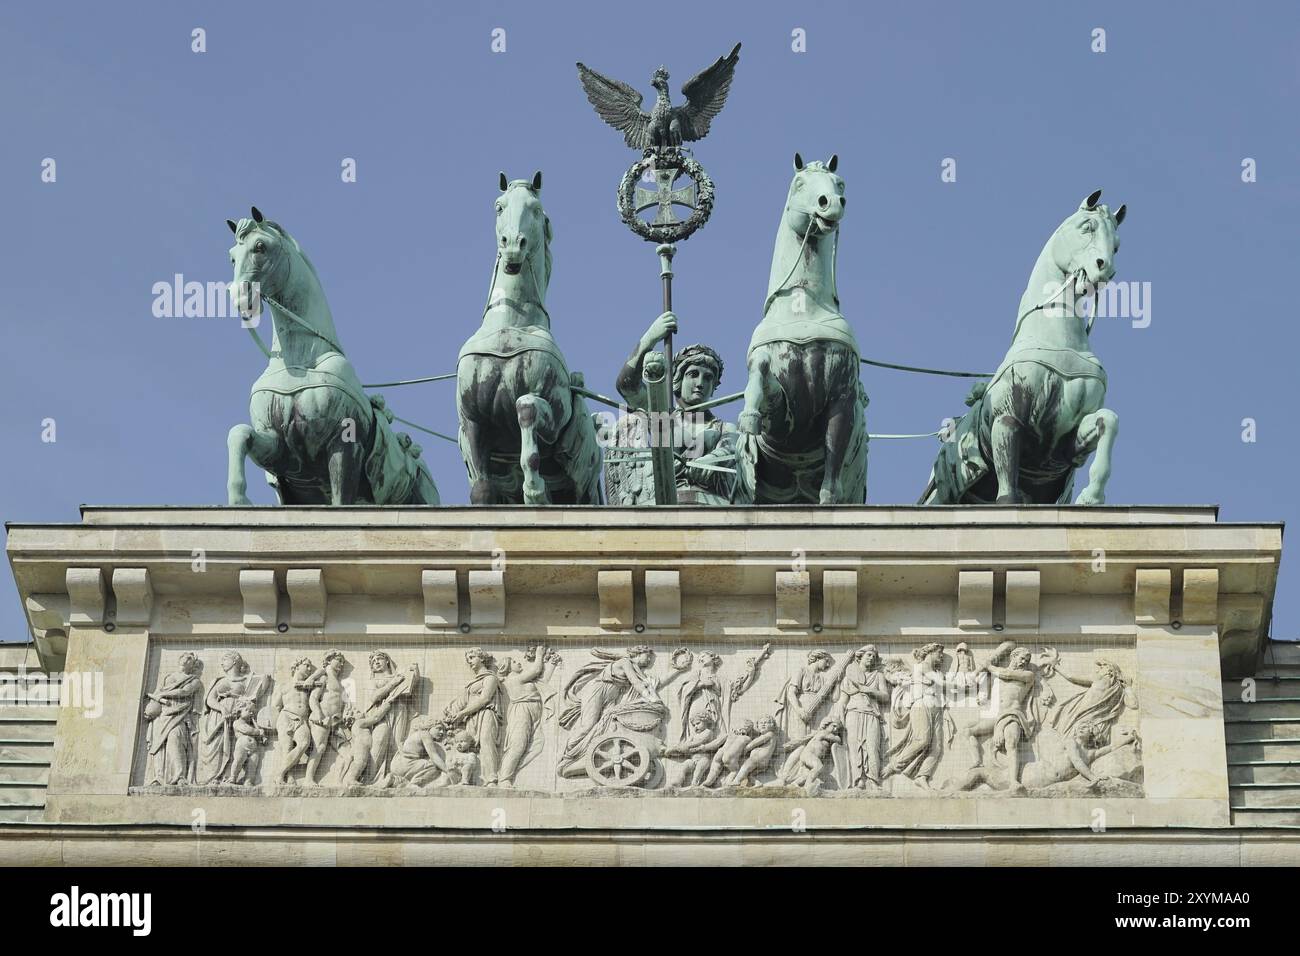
(803, 431)
(525, 435)
(660, 449)
(702, 445)
(1041, 415)
(314, 430)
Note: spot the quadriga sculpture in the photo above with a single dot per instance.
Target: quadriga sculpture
(526, 437)
(803, 432)
(314, 430)
(1041, 416)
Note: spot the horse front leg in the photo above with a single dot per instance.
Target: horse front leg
(345, 464)
(750, 426)
(1007, 434)
(839, 429)
(536, 426)
(750, 421)
(473, 448)
(244, 442)
(1097, 432)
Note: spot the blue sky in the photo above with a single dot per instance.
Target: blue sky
(156, 146)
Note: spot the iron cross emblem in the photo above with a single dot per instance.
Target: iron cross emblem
(665, 196)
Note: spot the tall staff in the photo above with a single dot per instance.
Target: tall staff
(660, 134)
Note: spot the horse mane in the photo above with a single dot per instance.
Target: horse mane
(547, 250)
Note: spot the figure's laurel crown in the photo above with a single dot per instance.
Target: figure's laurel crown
(693, 354)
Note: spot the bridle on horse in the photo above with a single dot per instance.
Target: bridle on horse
(537, 288)
(798, 256)
(303, 323)
(1079, 274)
(1073, 277)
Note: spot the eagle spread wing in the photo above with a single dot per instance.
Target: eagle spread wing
(705, 94)
(619, 105)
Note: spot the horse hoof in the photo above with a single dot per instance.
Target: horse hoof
(481, 493)
(749, 423)
(535, 492)
(238, 500)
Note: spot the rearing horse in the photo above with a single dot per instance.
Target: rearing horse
(314, 430)
(526, 437)
(803, 431)
(1041, 416)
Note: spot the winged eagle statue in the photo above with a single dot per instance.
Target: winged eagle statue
(665, 126)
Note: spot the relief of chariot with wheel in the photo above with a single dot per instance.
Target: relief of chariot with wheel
(615, 716)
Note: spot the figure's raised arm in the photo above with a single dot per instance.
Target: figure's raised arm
(1077, 681)
(532, 671)
(630, 384)
(1011, 673)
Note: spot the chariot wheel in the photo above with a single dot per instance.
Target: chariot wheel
(617, 761)
(657, 775)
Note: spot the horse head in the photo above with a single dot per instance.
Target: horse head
(523, 229)
(816, 201)
(1084, 246)
(262, 257)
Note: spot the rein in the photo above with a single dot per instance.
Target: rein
(1072, 277)
(767, 304)
(303, 323)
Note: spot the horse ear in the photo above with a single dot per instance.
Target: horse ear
(798, 162)
(833, 162)
(1120, 213)
(1091, 201)
(504, 182)
(537, 181)
(233, 227)
(257, 215)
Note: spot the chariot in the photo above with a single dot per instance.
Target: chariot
(626, 754)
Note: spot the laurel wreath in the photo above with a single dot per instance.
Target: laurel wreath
(662, 232)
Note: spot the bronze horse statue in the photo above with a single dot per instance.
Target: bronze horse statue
(525, 435)
(314, 430)
(1041, 415)
(803, 430)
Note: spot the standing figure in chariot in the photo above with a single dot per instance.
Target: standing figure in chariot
(703, 444)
